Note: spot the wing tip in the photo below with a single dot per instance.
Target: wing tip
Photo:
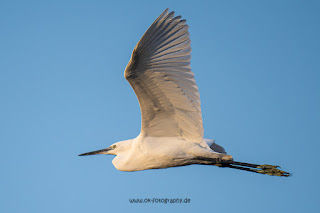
(164, 13)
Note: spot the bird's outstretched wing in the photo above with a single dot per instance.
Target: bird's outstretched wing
(160, 74)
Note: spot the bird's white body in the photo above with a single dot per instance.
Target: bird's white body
(171, 127)
(171, 121)
(143, 153)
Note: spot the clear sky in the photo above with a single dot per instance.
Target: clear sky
(63, 93)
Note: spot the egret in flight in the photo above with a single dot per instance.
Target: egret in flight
(171, 121)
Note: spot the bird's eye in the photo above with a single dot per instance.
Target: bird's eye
(114, 146)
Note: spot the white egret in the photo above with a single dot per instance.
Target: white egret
(171, 124)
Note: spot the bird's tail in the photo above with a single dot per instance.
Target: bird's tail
(261, 169)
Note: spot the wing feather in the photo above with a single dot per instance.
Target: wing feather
(160, 74)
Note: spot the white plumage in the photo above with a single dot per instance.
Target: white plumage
(160, 74)
(171, 126)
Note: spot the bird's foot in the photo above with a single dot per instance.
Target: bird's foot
(261, 169)
(271, 170)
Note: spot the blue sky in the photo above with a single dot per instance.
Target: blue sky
(63, 93)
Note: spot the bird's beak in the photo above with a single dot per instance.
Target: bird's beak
(101, 151)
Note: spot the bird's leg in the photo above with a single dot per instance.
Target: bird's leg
(224, 160)
(216, 159)
(262, 169)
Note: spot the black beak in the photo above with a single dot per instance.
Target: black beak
(101, 151)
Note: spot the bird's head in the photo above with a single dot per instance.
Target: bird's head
(114, 149)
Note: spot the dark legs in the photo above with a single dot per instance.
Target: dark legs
(222, 160)
(262, 169)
